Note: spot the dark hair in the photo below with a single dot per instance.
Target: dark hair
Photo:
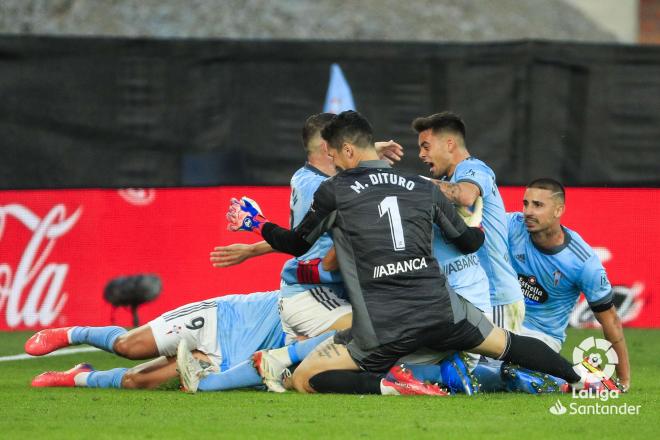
(445, 121)
(313, 125)
(550, 185)
(351, 127)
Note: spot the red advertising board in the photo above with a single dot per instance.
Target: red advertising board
(59, 248)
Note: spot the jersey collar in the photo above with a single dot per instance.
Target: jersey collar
(556, 249)
(315, 170)
(374, 164)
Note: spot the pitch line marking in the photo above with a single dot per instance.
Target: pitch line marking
(18, 357)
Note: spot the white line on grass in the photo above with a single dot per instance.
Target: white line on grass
(17, 357)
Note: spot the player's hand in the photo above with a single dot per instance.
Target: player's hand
(330, 262)
(225, 256)
(389, 151)
(245, 215)
(472, 218)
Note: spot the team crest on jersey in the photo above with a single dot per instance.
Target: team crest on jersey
(556, 278)
(534, 293)
(176, 329)
(521, 258)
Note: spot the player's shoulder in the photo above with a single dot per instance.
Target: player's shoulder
(473, 165)
(579, 248)
(516, 220)
(306, 173)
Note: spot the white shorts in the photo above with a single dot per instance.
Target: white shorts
(509, 316)
(549, 340)
(195, 322)
(312, 312)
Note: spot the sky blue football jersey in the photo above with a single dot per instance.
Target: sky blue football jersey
(464, 273)
(304, 184)
(494, 254)
(552, 280)
(248, 323)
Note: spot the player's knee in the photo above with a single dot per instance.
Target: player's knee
(300, 382)
(132, 381)
(126, 348)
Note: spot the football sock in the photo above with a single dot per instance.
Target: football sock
(536, 355)
(346, 382)
(294, 353)
(101, 379)
(239, 376)
(100, 337)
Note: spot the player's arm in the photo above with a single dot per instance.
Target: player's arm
(461, 193)
(390, 151)
(466, 239)
(330, 261)
(593, 282)
(319, 219)
(613, 332)
(233, 254)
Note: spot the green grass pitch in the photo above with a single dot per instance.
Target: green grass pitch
(27, 413)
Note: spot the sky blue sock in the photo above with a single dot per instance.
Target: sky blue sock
(242, 375)
(300, 349)
(106, 379)
(100, 337)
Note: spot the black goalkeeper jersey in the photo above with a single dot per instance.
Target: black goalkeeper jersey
(381, 223)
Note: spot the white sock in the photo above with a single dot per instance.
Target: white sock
(282, 355)
(68, 334)
(80, 379)
(387, 390)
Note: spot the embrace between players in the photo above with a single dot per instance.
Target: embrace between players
(414, 304)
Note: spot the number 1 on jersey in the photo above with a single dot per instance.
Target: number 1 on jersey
(390, 206)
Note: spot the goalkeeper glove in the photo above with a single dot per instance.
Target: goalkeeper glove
(472, 218)
(245, 215)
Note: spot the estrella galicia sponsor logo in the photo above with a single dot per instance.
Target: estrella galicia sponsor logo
(532, 290)
(399, 267)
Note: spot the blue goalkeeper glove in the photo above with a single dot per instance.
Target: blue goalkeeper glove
(245, 215)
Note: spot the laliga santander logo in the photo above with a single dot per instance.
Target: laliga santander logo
(45, 299)
(599, 353)
(558, 408)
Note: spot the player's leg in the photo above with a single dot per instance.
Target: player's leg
(49, 340)
(335, 368)
(316, 314)
(272, 365)
(473, 329)
(148, 375)
(516, 378)
(329, 355)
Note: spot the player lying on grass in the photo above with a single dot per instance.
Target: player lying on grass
(390, 321)
(224, 332)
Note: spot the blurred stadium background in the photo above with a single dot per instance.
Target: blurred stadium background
(126, 125)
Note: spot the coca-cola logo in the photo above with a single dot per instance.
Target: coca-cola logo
(34, 276)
